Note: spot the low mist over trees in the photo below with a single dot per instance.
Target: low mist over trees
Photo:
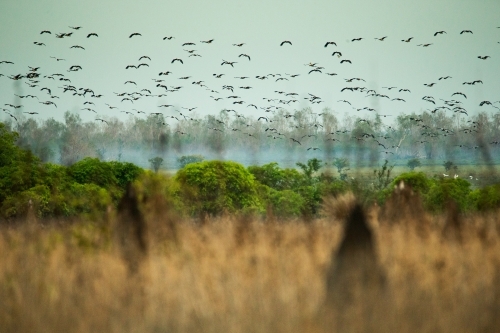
(283, 136)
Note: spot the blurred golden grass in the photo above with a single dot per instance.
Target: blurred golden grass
(244, 274)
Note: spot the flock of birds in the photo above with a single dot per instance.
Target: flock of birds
(47, 88)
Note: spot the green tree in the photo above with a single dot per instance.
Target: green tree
(125, 172)
(156, 163)
(342, 165)
(216, 186)
(313, 165)
(279, 179)
(19, 168)
(446, 189)
(92, 171)
(448, 165)
(413, 163)
(187, 159)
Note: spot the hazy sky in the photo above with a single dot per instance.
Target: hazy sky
(262, 26)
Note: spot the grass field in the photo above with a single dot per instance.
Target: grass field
(243, 274)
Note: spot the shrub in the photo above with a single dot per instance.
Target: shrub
(413, 163)
(216, 186)
(488, 197)
(87, 199)
(92, 171)
(284, 204)
(19, 168)
(17, 204)
(445, 189)
(312, 199)
(275, 177)
(448, 165)
(418, 181)
(125, 172)
(187, 159)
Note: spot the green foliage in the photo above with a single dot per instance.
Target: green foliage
(158, 189)
(216, 186)
(87, 187)
(92, 171)
(488, 197)
(19, 168)
(382, 176)
(418, 181)
(187, 159)
(156, 163)
(87, 199)
(284, 204)
(449, 165)
(125, 172)
(275, 177)
(312, 166)
(443, 190)
(18, 203)
(413, 163)
(334, 187)
(340, 164)
(312, 199)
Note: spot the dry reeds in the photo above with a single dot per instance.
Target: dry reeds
(371, 271)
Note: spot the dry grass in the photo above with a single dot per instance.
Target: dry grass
(234, 274)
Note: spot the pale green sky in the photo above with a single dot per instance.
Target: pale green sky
(262, 25)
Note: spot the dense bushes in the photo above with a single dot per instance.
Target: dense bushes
(208, 187)
(86, 187)
(215, 186)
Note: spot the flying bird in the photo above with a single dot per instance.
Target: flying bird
(285, 42)
(244, 55)
(224, 62)
(92, 34)
(177, 59)
(346, 60)
(134, 34)
(439, 33)
(459, 93)
(330, 43)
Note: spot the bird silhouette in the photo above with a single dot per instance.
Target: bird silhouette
(134, 34)
(439, 33)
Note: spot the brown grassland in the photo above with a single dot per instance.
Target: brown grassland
(394, 269)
